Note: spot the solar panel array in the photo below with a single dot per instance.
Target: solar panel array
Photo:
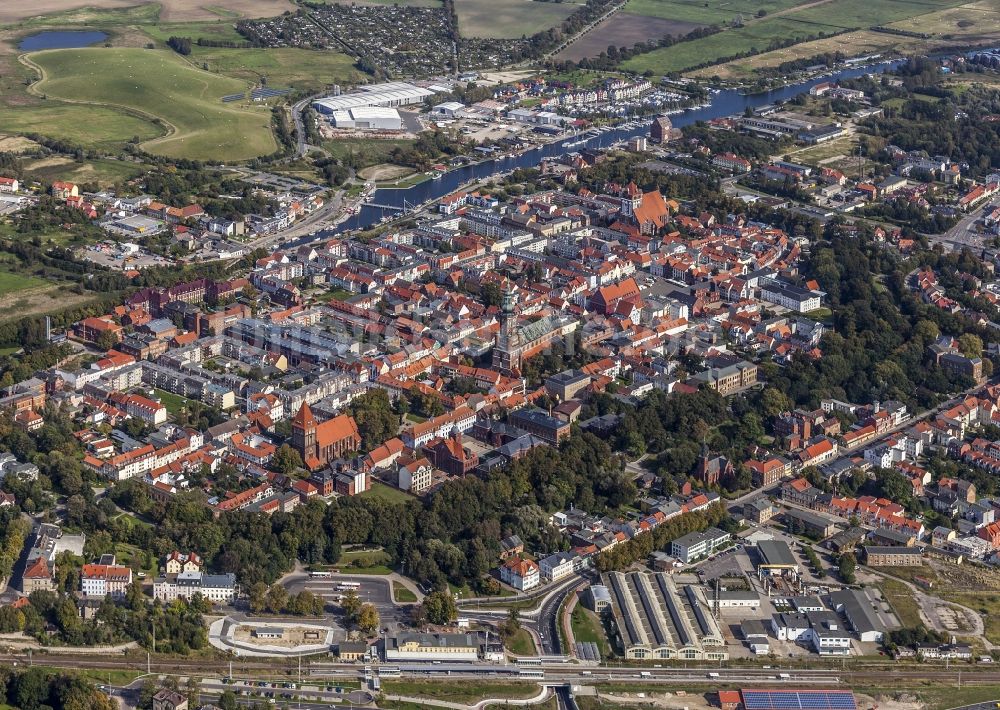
(799, 700)
(265, 93)
(232, 97)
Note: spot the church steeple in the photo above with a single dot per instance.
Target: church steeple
(503, 358)
(304, 432)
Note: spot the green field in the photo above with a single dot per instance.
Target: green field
(405, 3)
(159, 84)
(89, 126)
(587, 627)
(800, 24)
(901, 600)
(387, 493)
(103, 172)
(509, 19)
(521, 643)
(11, 282)
(220, 31)
(713, 12)
(173, 402)
(283, 68)
(755, 36)
(96, 17)
(365, 152)
(401, 594)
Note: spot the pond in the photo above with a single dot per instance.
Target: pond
(61, 40)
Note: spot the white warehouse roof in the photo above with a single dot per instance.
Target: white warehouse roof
(363, 112)
(396, 93)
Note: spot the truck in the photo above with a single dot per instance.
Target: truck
(645, 674)
(713, 675)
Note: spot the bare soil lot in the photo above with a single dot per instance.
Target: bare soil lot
(385, 171)
(14, 11)
(623, 30)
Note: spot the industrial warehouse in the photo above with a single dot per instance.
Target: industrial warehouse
(371, 117)
(395, 93)
(656, 620)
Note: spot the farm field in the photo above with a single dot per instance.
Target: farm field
(801, 23)
(970, 20)
(41, 11)
(77, 12)
(712, 12)
(851, 44)
(220, 30)
(502, 19)
(405, 3)
(623, 29)
(947, 27)
(160, 85)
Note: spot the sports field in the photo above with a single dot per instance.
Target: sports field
(799, 23)
(160, 85)
(508, 19)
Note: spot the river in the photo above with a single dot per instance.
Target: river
(728, 102)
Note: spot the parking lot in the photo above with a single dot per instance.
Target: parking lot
(374, 589)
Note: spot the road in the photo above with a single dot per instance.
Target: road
(962, 235)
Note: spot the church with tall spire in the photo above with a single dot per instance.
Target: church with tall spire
(516, 342)
(321, 443)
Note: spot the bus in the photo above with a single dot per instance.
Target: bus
(531, 673)
(320, 575)
(348, 586)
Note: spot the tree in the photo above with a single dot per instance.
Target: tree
(368, 620)
(286, 460)
(511, 625)
(277, 598)
(773, 402)
(181, 45)
(106, 340)
(227, 701)
(847, 565)
(440, 608)
(258, 597)
(351, 604)
(970, 344)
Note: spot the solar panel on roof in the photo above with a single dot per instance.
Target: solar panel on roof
(799, 700)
